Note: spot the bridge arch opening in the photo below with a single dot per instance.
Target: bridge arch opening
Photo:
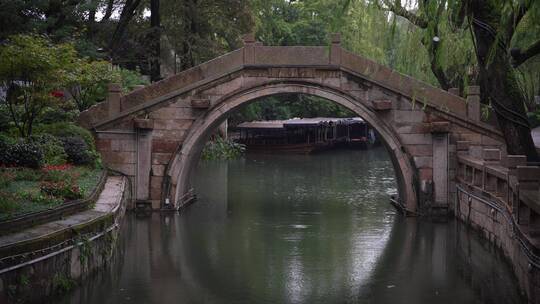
(184, 162)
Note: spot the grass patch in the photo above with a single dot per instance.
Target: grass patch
(24, 190)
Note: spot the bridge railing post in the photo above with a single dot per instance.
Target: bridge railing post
(335, 49)
(249, 50)
(473, 103)
(113, 99)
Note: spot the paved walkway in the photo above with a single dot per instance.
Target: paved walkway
(109, 199)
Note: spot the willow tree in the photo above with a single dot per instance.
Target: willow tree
(494, 24)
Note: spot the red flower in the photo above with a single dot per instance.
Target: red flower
(57, 94)
(57, 167)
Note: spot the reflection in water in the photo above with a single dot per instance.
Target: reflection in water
(298, 229)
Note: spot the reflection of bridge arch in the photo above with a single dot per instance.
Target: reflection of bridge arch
(154, 134)
(187, 158)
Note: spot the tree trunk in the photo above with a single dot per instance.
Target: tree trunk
(190, 31)
(108, 11)
(498, 82)
(125, 17)
(155, 23)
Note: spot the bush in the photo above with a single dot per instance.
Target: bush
(53, 115)
(22, 154)
(63, 129)
(65, 190)
(222, 149)
(57, 175)
(41, 198)
(77, 151)
(6, 143)
(23, 174)
(53, 149)
(8, 202)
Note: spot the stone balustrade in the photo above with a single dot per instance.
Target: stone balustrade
(508, 181)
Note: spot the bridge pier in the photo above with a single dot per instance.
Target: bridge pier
(143, 129)
(441, 170)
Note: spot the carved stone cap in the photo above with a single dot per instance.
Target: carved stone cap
(114, 88)
(248, 38)
(144, 124)
(335, 38)
(473, 90)
(439, 127)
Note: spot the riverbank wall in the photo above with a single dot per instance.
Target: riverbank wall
(499, 200)
(51, 259)
(494, 226)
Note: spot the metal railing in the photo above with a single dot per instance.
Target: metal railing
(524, 244)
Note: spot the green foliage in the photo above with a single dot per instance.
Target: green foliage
(88, 81)
(84, 250)
(129, 79)
(62, 283)
(23, 174)
(23, 153)
(53, 149)
(200, 30)
(25, 190)
(31, 68)
(220, 148)
(63, 129)
(41, 198)
(77, 151)
(8, 203)
(287, 106)
(534, 118)
(62, 113)
(67, 190)
(5, 145)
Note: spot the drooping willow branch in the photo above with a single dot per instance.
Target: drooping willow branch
(519, 56)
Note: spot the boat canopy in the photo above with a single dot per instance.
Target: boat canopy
(298, 122)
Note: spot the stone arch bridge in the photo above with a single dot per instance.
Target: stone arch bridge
(155, 133)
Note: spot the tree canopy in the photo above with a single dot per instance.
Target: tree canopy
(447, 43)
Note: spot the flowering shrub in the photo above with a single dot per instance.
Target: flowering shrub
(62, 167)
(21, 154)
(59, 173)
(67, 191)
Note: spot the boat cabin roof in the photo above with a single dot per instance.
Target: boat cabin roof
(298, 122)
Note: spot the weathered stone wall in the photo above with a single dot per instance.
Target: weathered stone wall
(495, 227)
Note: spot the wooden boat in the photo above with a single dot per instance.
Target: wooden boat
(301, 135)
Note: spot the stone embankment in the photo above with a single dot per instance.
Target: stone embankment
(49, 259)
(499, 196)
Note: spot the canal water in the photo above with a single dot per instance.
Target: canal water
(299, 229)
